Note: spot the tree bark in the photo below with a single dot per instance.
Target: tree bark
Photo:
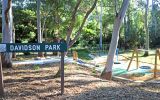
(107, 72)
(146, 30)
(7, 20)
(13, 35)
(101, 28)
(40, 37)
(154, 19)
(72, 23)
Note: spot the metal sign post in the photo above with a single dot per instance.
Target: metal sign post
(1, 79)
(62, 73)
(34, 47)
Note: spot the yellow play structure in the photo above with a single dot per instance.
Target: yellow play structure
(75, 55)
(155, 67)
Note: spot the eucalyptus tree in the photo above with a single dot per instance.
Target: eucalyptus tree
(154, 27)
(71, 26)
(40, 36)
(100, 21)
(146, 29)
(87, 13)
(7, 21)
(107, 72)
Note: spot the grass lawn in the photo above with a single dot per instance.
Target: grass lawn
(83, 54)
(148, 59)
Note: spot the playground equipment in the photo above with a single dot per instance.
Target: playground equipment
(137, 62)
(157, 53)
(75, 55)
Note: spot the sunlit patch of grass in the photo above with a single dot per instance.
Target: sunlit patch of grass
(65, 67)
(146, 59)
(36, 67)
(77, 68)
(137, 75)
(93, 70)
(83, 54)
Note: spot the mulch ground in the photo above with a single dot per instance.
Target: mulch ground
(38, 83)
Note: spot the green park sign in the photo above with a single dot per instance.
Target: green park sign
(33, 47)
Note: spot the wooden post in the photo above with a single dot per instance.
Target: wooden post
(137, 62)
(1, 79)
(62, 73)
(131, 60)
(155, 66)
(75, 55)
(159, 53)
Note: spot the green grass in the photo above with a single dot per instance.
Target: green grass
(148, 59)
(83, 54)
(36, 67)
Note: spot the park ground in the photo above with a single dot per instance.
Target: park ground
(37, 82)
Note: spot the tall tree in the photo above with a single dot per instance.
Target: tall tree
(100, 21)
(154, 22)
(13, 36)
(107, 72)
(82, 24)
(40, 54)
(7, 20)
(146, 29)
(72, 23)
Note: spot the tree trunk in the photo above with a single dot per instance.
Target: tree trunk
(72, 23)
(40, 54)
(146, 29)
(13, 34)
(107, 72)
(125, 30)
(84, 20)
(7, 20)
(154, 22)
(100, 20)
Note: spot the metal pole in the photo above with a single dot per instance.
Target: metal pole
(62, 73)
(1, 79)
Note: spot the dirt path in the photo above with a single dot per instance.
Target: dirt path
(38, 83)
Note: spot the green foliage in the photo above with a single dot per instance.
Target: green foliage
(36, 67)
(56, 14)
(83, 54)
(25, 25)
(89, 35)
(94, 71)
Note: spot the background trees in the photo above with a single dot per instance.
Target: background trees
(56, 16)
(68, 19)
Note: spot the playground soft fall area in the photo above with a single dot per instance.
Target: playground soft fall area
(80, 50)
